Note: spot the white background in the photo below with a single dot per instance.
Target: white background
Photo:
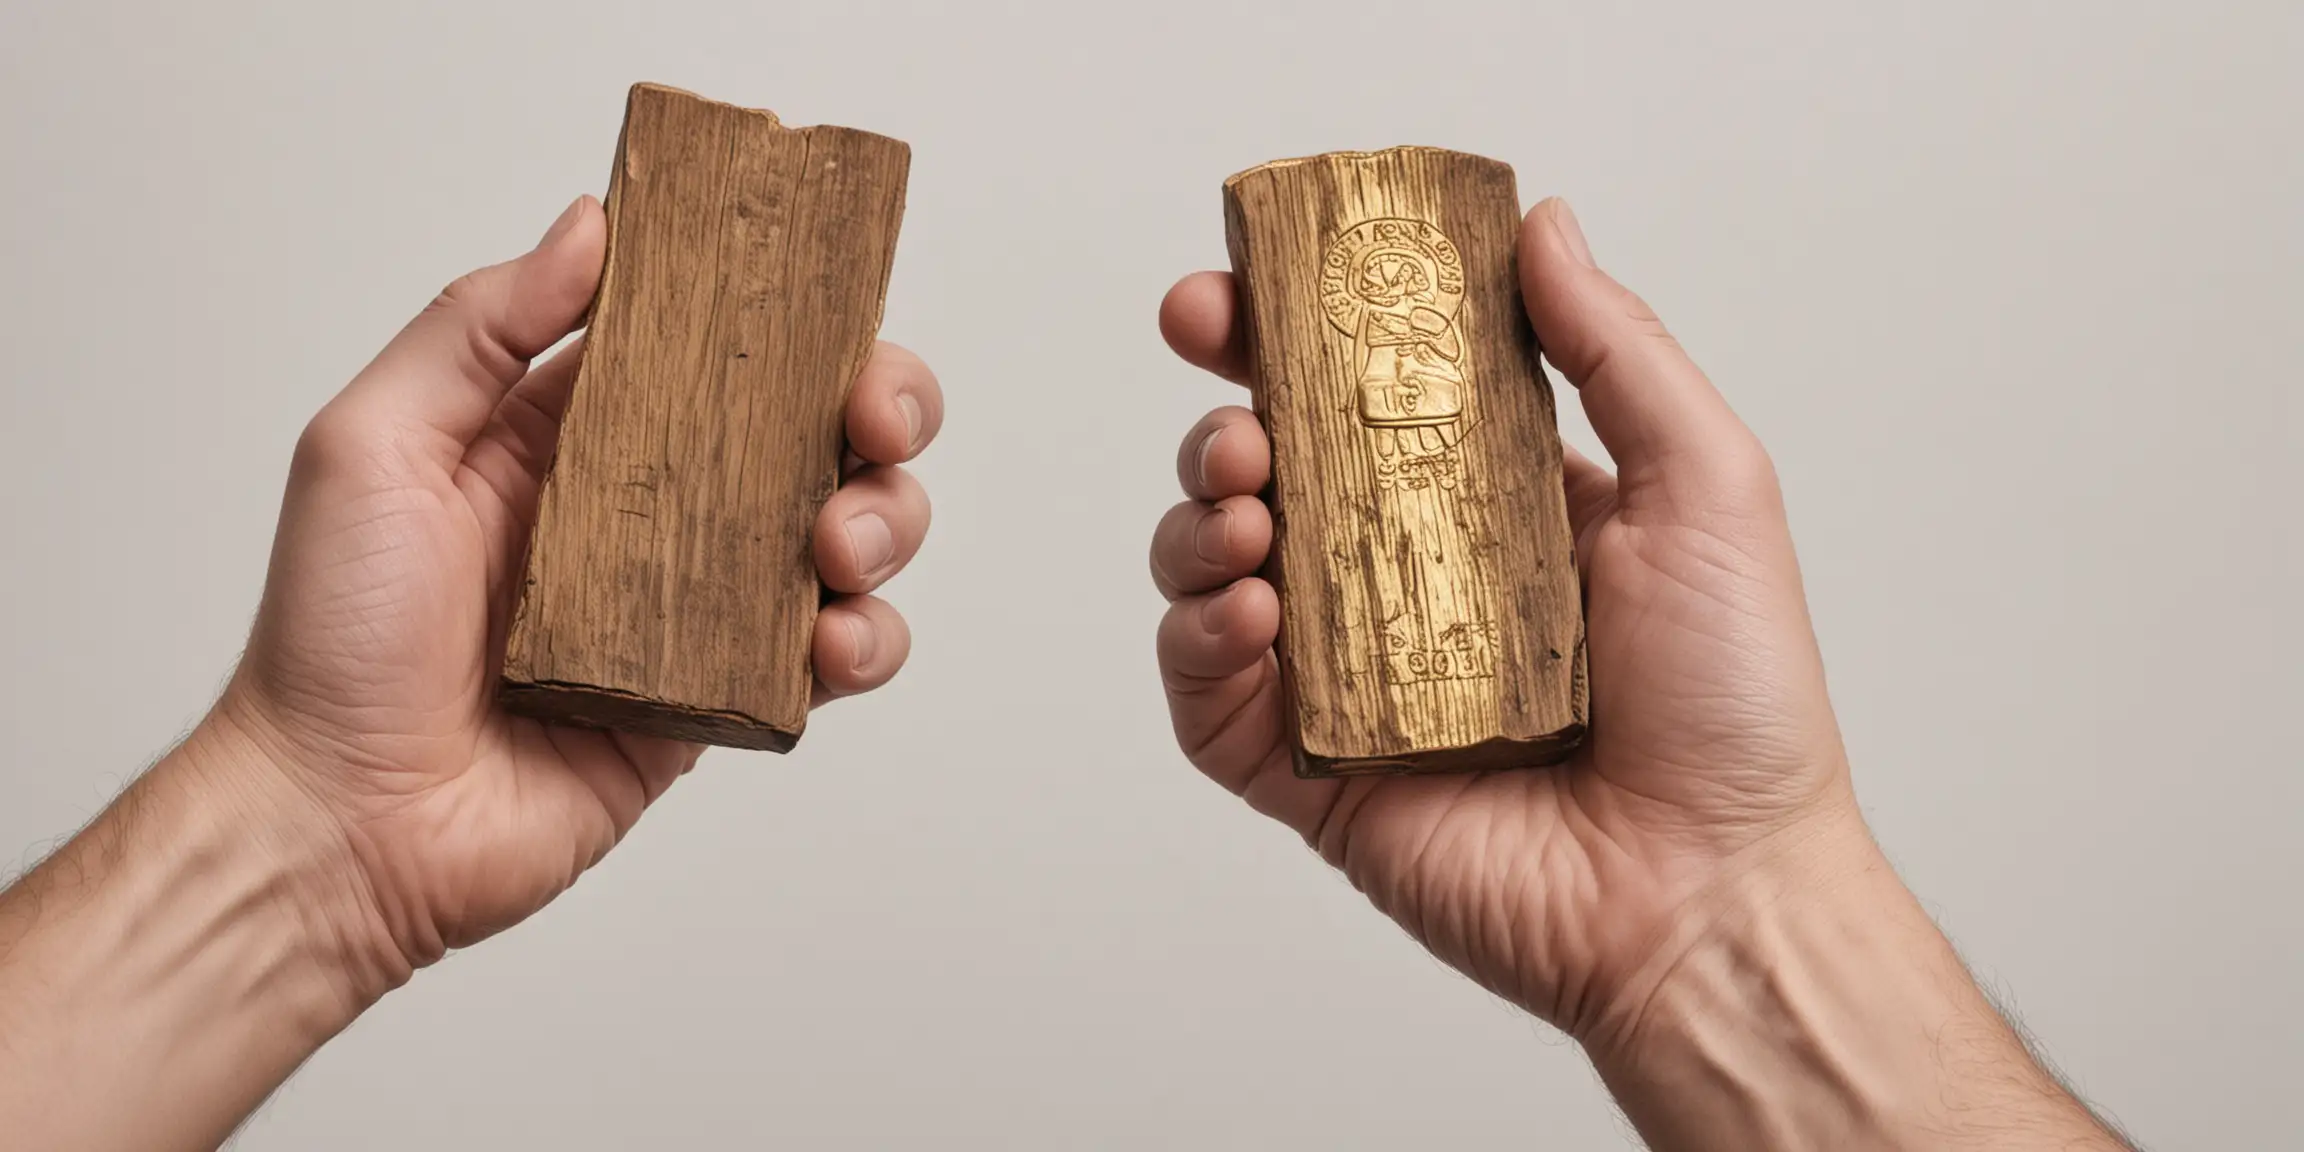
(2009, 289)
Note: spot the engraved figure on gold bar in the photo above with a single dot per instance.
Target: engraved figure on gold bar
(1394, 287)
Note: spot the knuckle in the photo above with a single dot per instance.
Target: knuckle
(1750, 465)
(1742, 476)
(457, 296)
(468, 304)
(1637, 310)
(1645, 322)
(330, 441)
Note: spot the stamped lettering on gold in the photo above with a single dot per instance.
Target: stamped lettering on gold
(1415, 652)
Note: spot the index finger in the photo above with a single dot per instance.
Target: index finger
(1200, 319)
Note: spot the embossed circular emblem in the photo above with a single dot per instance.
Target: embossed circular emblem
(1394, 286)
(1385, 264)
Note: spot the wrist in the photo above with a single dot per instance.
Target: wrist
(175, 961)
(241, 774)
(1811, 1002)
(1735, 925)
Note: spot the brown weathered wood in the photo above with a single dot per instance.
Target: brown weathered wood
(1430, 613)
(670, 587)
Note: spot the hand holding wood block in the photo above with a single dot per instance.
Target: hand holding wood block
(670, 588)
(1430, 612)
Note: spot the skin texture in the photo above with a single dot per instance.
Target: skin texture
(1652, 876)
(356, 804)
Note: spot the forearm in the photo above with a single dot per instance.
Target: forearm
(168, 968)
(1823, 1009)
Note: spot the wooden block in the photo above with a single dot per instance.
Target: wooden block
(670, 586)
(1431, 619)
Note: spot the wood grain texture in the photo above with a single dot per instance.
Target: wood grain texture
(670, 587)
(1431, 618)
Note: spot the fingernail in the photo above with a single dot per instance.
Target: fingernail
(1212, 610)
(567, 220)
(860, 633)
(870, 540)
(911, 410)
(1571, 233)
(1213, 538)
(1200, 459)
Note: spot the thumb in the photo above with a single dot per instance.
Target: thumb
(1658, 415)
(451, 366)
